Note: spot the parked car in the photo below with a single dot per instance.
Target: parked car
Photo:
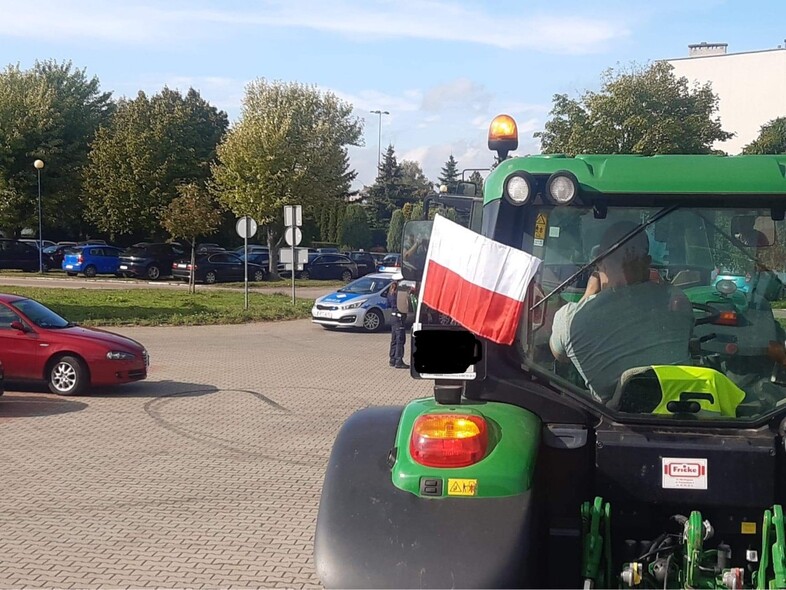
(329, 266)
(217, 267)
(66, 243)
(327, 251)
(92, 243)
(16, 255)
(205, 248)
(390, 261)
(360, 304)
(35, 243)
(364, 261)
(91, 260)
(252, 249)
(378, 257)
(150, 261)
(36, 344)
(260, 258)
(54, 256)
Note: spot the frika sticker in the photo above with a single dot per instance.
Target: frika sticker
(684, 474)
(540, 226)
(462, 487)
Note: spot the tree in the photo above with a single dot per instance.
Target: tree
(395, 231)
(355, 231)
(641, 111)
(288, 148)
(151, 147)
(449, 176)
(49, 112)
(388, 189)
(417, 186)
(477, 180)
(771, 139)
(417, 212)
(406, 210)
(191, 215)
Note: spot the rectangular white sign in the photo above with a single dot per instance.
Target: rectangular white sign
(285, 255)
(684, 474)
(289, 210)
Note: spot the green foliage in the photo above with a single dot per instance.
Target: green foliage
(49, 112)
(288, 148)
(415, 184)
(190, 215)
(395, 231)
(355, 231)
(641, 111)
(151, 146)
(388, 190)
(406, 210)
(771, 139)
(417, 212)
(449, 175)
(477, 180)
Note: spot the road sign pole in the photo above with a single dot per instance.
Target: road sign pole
(294, 260)
(245, 259)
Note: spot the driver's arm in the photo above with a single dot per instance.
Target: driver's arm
(559, 331)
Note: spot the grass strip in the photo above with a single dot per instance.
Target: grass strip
(158, 307)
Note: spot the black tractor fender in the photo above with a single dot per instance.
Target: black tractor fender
(370, 534)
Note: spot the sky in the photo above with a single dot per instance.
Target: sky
(442, 69)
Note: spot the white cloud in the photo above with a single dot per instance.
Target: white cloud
(459, 93)
(141, 23)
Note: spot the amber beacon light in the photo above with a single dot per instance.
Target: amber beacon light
(503, 135)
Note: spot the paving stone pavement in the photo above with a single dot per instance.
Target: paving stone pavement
(205, 475)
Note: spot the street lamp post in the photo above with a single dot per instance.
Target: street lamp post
(379, 139)
(39, 164)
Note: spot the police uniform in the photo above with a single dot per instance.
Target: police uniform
(399, 305)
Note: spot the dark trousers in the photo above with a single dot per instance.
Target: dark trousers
(398, 337)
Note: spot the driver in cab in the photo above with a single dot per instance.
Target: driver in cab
(624, 320)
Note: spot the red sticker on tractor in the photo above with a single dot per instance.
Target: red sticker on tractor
(684, 474)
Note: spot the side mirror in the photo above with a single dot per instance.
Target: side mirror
(753, 231)
(414, 246)
(17, 325)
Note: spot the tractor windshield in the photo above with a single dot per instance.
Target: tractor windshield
(677, 317)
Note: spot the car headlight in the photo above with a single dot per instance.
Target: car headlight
(354, 304)
(118, 355)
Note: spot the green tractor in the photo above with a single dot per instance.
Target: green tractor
(632, 435)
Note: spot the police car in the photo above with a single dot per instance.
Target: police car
(360, 304)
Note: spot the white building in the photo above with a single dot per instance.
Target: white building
(751, 87)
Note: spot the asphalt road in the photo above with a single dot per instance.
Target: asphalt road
(206, 475)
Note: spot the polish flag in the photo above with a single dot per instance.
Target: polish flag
(478, 282)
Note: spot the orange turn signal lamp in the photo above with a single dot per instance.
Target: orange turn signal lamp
(448, 440)
(726, 318)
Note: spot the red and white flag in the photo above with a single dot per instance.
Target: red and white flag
(478, 282)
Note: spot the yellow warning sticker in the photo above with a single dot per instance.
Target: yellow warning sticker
(462, 487)
(541, 221)
(748, 528)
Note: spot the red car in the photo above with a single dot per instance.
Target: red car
(36, 344)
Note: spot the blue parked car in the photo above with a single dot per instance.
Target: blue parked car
(92, 260)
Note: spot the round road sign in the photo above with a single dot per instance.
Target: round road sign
(246, 227)
(288, 236)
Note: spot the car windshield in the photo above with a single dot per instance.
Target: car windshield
(40, 315)
(653, 327)
(366, 285)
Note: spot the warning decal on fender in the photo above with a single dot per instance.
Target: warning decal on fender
(462, 487)
(684, 474)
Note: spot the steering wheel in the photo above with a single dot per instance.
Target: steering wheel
(711, 313)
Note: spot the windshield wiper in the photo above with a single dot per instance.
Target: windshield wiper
(631, 234)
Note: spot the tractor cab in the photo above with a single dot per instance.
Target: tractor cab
(631, 436)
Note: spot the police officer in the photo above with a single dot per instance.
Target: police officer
(398, 301)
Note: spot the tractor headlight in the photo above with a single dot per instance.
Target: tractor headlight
(562, 187)
(518, 189)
